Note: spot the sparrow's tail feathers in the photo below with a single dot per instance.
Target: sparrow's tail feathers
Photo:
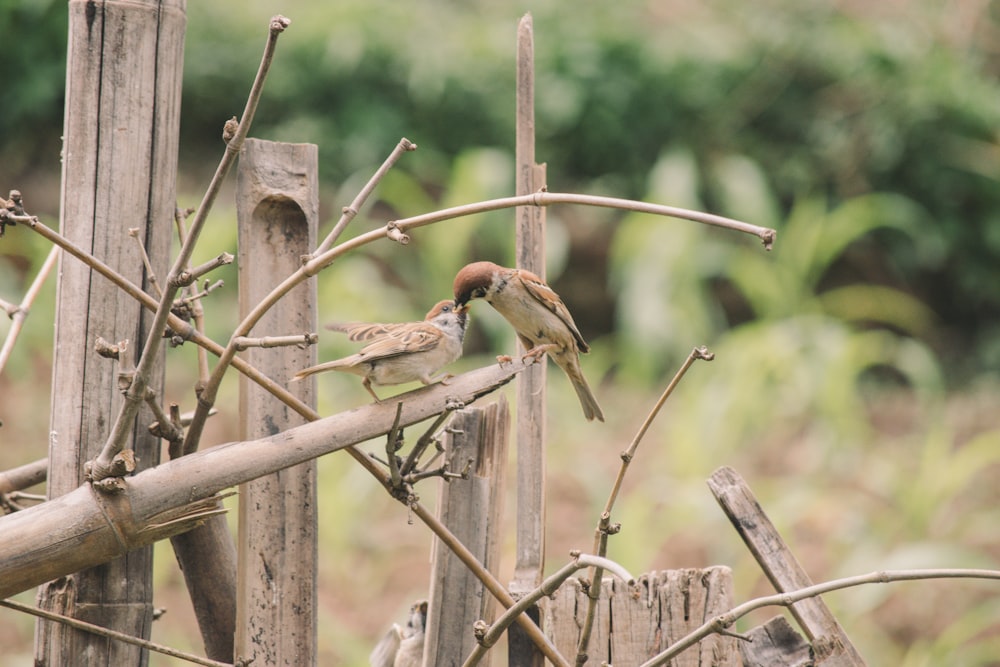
(591, 409)
(336, 365)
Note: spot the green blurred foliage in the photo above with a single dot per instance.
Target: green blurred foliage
(810, 99)
(866, 135)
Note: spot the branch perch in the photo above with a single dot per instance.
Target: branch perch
(113, 524)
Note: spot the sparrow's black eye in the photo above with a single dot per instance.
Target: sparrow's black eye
(479, 293)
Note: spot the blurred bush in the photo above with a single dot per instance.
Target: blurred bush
(820, 99)
(865, 133)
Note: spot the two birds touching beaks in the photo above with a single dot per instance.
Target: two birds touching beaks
(411, 351)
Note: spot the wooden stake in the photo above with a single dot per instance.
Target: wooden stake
(473, 510)
(634, 623)
(530, 177)
(124, 66)
(278, 213)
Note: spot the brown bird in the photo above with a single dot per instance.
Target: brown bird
(403, 646)
(400, 352)
(539, 316)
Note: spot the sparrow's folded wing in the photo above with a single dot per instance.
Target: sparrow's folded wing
(550, 300)
(404, 339)
(359, 331)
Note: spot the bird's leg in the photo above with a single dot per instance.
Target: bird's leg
(367, 383)
(536, 352)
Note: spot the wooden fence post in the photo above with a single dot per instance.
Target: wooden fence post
(278, 211)
(635, 623)
(473, 510)
(123, 82)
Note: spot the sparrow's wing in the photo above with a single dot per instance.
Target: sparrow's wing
(358, 331)
(407, 338)
(551, 301)
(384, 653)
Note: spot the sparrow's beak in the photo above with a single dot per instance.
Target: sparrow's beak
(462, 308)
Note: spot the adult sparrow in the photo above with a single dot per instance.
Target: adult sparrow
(542, 321)
(400, 352)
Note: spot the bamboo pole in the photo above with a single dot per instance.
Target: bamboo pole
(530, 178)
(124, 66)
(473, 510)
(277, 198)
(84, 528)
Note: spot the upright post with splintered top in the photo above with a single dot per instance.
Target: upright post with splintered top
(472, 509)
(278, 211)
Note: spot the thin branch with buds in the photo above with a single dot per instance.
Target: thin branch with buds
(350, 211)
(605, 527)
(192, 302)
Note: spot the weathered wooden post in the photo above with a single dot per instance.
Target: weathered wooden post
(530, 177)
(123, 84)
(278, 211)
(633, 624)
(473, 510)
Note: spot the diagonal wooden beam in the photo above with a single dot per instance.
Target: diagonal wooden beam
(831, 645)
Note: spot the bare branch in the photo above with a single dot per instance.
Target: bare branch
(604, 526)
(299, 340)
(150, 274)
(101, 466)
(766, 235)
(20, 312)
(112, 634)
(349, 212)
(188, 276)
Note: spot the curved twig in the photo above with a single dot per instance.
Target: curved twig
(604, 526)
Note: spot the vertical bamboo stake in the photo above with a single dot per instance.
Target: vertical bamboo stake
(530, 177)
(207, 557)
(278, 211)
(473, 510)
(124, 66)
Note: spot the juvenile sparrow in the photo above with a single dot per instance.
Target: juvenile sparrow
(400, 352)
(403, 647)
(542, 321)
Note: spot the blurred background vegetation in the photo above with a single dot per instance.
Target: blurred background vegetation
(855, 383)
